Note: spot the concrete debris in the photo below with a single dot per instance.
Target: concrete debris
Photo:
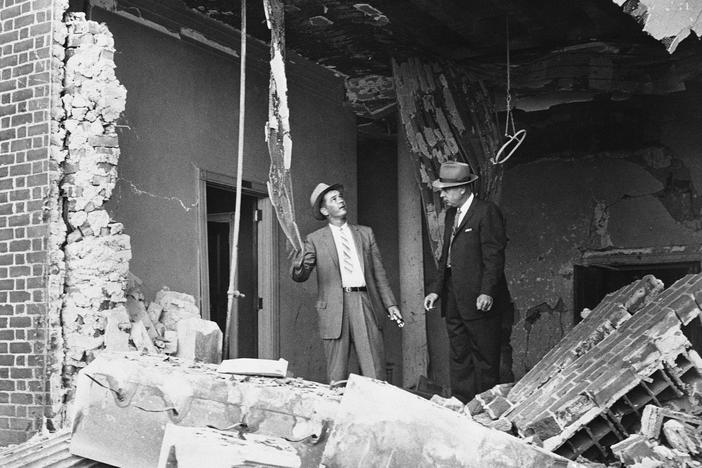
(195, 447)
(199, 339)
(136, 396)
(622, 386)
(250, 366)
(378, 424)
(175, 307)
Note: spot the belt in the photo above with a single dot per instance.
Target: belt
(355, 289)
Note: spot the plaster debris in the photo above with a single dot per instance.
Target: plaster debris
(195, 447)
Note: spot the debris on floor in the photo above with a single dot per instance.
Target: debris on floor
(136, 395)
(171, 324)
(379, 424)
(588, 397)
(197, 447)
(622, 388)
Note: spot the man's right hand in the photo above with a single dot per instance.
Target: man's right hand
(430, 300)
(298, 257)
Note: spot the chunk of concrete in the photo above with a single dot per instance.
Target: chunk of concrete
(140, 338)
(124, 401)
(176, 307)
(381, 425)
(117, 330)
(199, 340)
(195, 447)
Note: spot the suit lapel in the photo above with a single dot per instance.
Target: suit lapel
(358, 241)
(328, 239)
(468, 216)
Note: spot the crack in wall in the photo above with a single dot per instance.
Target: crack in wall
(139, 191)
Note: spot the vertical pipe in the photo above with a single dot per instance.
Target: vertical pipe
(232, 292)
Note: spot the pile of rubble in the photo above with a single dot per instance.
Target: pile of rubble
(97, 252)
(626, 364)
(620, 389)
(170, 324)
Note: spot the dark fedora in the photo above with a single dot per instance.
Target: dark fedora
(453, 174)
(318, 195)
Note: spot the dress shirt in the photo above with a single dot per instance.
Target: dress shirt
(355, 278)
(464, 209)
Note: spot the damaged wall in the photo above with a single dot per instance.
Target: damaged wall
(584, 184)
(182, 115)
(31, 264)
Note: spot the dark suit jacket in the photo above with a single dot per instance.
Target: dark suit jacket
(320, 251)
(477, 259)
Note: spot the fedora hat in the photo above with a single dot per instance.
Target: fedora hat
(318, 195)
(453, 174)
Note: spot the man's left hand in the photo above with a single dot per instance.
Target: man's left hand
(396, 316)
(484, 302)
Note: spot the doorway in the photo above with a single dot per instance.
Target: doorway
(253, 329)
(593, 282)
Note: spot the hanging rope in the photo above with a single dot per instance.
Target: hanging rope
(514, 138)
(233, 265)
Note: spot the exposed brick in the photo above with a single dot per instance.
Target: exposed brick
(22, 296)
(7, 285)
(20, 322)
(7, 360)
(20, 348)
(21, 373)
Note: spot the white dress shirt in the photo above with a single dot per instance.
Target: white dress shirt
(464, 209)
(355, 278)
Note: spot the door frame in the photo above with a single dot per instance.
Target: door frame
(267, 252)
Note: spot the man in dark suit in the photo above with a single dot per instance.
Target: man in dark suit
(470, 282)
(352, 287)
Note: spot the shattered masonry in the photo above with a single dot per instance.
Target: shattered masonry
(57, 228)
(97, 253)
(588, 393)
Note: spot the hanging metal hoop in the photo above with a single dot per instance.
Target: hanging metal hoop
(514, 137)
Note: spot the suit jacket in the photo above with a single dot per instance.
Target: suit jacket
(477, 259)
(320, 251)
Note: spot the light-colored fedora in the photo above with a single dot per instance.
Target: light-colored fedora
(318, 195)
(453, 174)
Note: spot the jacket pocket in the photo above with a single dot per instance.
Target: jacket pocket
(321, 305)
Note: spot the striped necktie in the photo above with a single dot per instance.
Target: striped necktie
(346, 250)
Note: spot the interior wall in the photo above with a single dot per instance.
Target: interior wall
(181, 116)
(574, 189)
(377, 208)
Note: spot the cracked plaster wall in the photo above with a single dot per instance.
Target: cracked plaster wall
(181, 116)
(559, 207)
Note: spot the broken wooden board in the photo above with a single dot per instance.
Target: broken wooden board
(381, 425)
(196, 447)
(446, 114)
(278, 128)
(124, 401)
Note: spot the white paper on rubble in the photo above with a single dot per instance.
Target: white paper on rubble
(251, 366)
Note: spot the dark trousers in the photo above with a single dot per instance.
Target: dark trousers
(475, 349)
(359, 334)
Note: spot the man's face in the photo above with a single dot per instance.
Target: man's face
(333, 205)
(453, 196)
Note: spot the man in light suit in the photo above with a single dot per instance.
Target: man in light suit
(471, 282)
(352, 287)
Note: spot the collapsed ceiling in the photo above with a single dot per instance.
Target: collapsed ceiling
(560, 51)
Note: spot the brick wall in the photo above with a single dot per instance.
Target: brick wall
(30, 224)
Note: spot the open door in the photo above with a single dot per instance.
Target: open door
(254, 321)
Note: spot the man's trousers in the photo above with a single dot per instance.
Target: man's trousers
(474, 349)
(359, 334)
